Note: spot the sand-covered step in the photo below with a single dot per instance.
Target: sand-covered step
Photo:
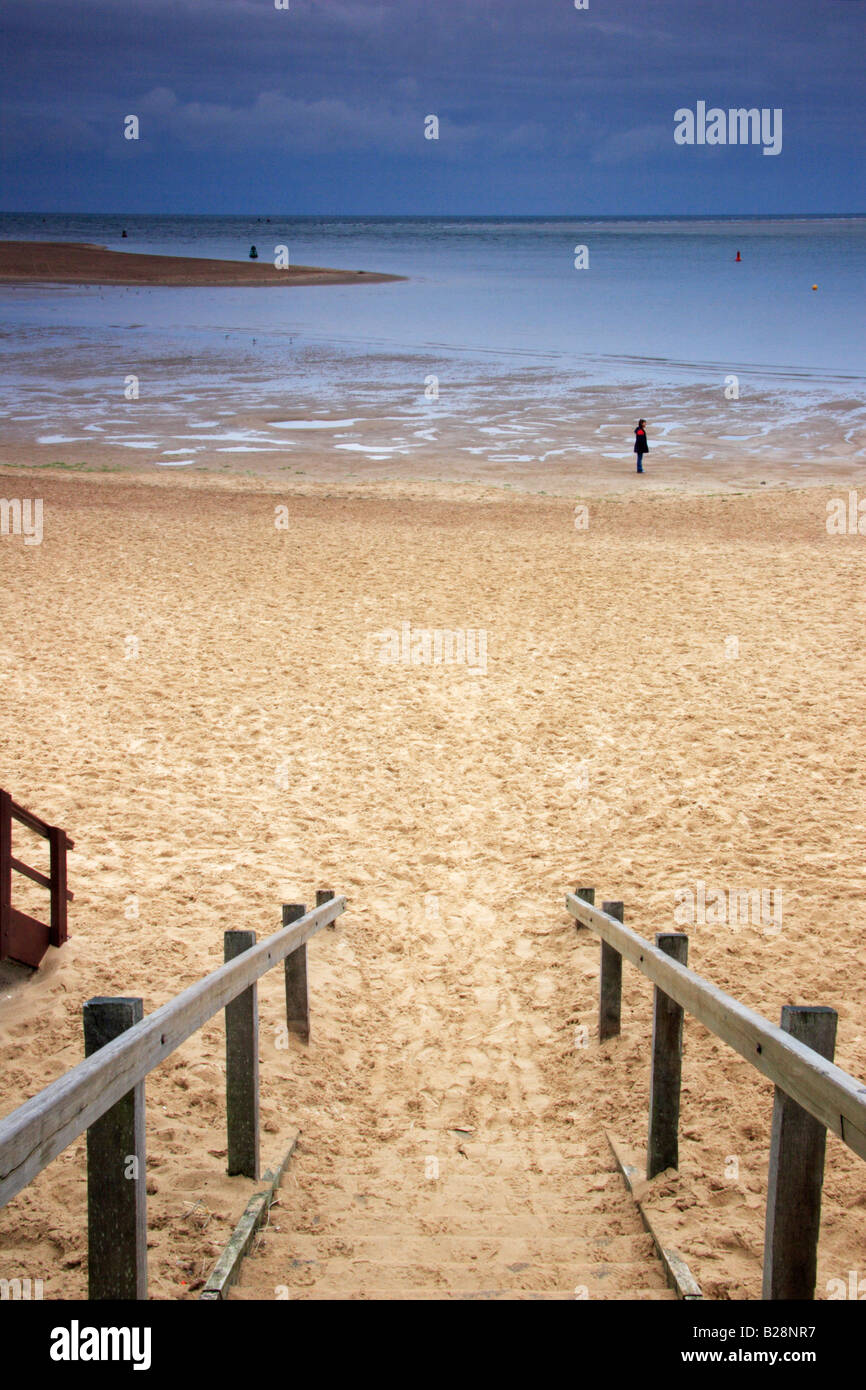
(564, 1185)
(360, 1223)
(580, 1229)
(445, 1203)
(475, 1160)
(344, 1276)
(567, 1189)
(469, 1249)
(435, 1294)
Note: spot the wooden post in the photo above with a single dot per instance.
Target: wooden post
(297, 995)
(324, 895)
(5, 871)
(610, 983)
(242, 1068)
(796, 1174)
(57, 845)
(116, 1176)
(663, 1149)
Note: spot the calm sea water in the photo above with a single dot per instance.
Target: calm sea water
(666, 290)
(663, 303)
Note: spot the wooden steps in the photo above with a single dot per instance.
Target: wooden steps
(555, 1228)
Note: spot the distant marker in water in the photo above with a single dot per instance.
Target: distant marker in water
(814, 287)
(254, 255)
(738, 257)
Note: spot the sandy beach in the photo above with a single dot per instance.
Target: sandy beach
(193, 687)
(78, 263)
(363, 595)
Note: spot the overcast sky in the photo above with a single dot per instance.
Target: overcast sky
(320, 108)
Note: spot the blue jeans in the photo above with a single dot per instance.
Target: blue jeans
(639, 461)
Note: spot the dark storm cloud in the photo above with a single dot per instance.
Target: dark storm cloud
(236, 97)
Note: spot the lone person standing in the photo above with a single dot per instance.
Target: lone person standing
(640, 444)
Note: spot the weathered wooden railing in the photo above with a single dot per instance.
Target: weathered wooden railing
(104, 1094)
(22, 937)
(812, 1094)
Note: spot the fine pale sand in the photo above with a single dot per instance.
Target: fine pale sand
(81, 263)
(671, 695)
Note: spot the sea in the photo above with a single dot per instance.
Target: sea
(512, 321)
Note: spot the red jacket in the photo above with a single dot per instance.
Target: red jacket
(640, 444)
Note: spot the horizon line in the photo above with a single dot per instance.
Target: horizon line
(427, 216)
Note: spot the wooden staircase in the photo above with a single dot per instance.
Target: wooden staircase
(23, 938)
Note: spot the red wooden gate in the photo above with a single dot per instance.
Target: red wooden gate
(22, 938)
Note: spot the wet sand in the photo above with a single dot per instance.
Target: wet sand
(328, 451)
(203, 415)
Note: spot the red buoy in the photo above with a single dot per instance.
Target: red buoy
(738, 256)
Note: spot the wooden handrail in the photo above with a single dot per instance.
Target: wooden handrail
(40, 1129)
(20, 813)
(833, 1097)
(34, 822)
(42, 879)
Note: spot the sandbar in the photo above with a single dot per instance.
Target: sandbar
(82, 263)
